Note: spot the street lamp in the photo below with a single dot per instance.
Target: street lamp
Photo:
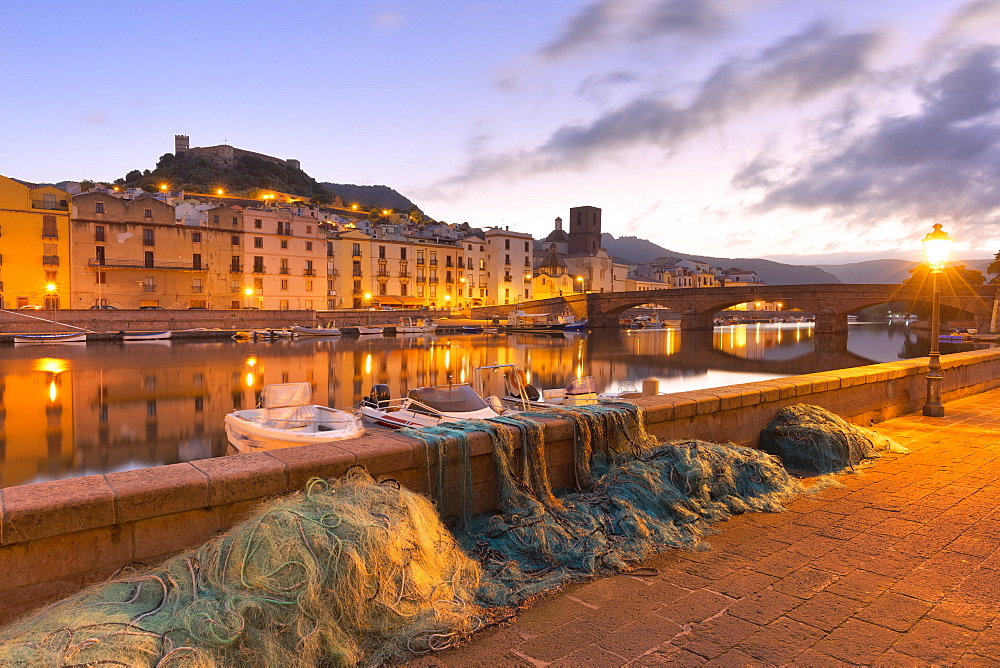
(937, 244)
(579, 280)
(249, 293)
(50, 289)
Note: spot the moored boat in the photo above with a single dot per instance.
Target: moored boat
(520, 394)
(415, 326)
(147, 336)
(287, 417)
(329, 330)
(427, 406)
(75, 337)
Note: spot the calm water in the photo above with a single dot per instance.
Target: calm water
(75, 410)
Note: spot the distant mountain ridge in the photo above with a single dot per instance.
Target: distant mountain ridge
(634, 249)
(885, 271)
(382, 197)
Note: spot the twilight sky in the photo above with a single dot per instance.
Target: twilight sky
(806, 131)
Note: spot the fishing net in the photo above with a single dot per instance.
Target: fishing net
(813, 438)
(642, 498)
(346, 571)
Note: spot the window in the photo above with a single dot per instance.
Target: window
(284, 284)
(506, 259)
(433, 291)
(283, 304)
(98, 207)
(100, 255)
(356, 250)
(258, 264)
(258, 242)
(357, 268)
(258, 285)
(309, 286)
(525, 246)
(99, 233)
(148, 259)
(234, 263)
(236, 221)
(402, 289)
(215, 219)
(101, 277)
(234, 287)
(381, 249)
(196, 285)
(382, 289)
(196, 260)
(147, 213)
(49, 230)
(147, 238)
(257, 223)
(402, 253)
(148, 285)
(309, 245)
(283, 269)
(234, 240)
(482, 264)
(196, 237)
(506, 245)
(284, 243)
(420, 291)
(309, 304)
(309, 268)
(309, 229)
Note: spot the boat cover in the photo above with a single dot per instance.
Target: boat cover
(287, 405)
(460, 398)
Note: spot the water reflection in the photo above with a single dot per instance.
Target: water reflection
(70, 411)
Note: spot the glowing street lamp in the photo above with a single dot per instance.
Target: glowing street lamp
(579, 281)
(220, 191)
(51, 289)
(937, 245)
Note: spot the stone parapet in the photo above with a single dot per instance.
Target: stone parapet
(58, 536)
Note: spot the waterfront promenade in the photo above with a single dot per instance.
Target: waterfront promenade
(899, 567)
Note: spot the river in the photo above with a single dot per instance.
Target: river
(75, 410)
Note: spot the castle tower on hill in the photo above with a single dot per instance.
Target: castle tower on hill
(181, 143)
(226, 155)
(584, 230)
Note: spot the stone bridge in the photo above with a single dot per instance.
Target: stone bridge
(830, 303)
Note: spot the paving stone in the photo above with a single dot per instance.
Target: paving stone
(591, 656)
(813, 659)
(560, 641)
(764, 606)
(638, 637)
(717, 636)
(742, 583)
(861, 585)
(894, 611)
(825, 610)
(696, 607)
(935, 641)
(781, 563)
(857, 642)
(733, 658)
(805, 582)
(781, 640)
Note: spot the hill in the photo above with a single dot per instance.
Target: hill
(633, 249)
(248, 173)
(885, 271)
(382, 197)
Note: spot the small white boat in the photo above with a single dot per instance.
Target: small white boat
(272, 334)
(147, 336)
(427, 406)
(369, 329)
(580, 391)
(75, 337)
(316, 331)
(287, 417)
(415, 326)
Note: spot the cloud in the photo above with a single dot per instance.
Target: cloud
(594, 85)
(612, 22)
(796, 69)
(942, 160)
(388, 20)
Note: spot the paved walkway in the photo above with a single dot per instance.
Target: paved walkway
(901, 566)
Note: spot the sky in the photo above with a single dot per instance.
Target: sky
(816, 131)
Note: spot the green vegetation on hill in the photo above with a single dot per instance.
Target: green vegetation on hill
(382, 197)
(248, 174)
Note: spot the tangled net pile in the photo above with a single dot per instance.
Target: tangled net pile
(353, 571)
(343, 572)
(637, 497)
(813, 438)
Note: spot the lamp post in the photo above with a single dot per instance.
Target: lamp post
(580, 286)
(937, 243)
(51, 289)
(249, 293)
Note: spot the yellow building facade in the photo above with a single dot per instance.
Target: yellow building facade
(34, 245)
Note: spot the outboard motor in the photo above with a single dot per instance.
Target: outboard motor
(379, 396)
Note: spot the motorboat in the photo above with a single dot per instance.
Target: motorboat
(428, 406)
(73, 337)
(272, 334)
(329, 330)
(147, 336)
(415, 326)
(519, 321)
(520, 394)
(364, 330)
(288, 417)
(626, 390)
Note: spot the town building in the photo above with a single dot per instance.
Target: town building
(34, 245)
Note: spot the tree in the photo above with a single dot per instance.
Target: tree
(86, 185)
(994, 268)
(954, 275)
(133, 176)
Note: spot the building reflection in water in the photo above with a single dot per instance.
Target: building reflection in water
(76, 410)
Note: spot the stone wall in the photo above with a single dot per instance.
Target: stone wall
(57, 536)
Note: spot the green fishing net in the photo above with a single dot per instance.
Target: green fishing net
(353, 571)
(812, 438)
(345, 572)
(642, 498)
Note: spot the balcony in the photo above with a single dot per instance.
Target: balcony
(259, 269)
(284, 270)
(434, 263)
(50, 234)
(433, 280)
(449, 281)
(308, 272)
(148, 287)
(197, 289)
(61, 205)
(421, 279)
(142, 264)
(356, 254)
(403, 275)
(508, 278)
(50, 260)
(420, 261)
(235, 269)
(357, 273)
